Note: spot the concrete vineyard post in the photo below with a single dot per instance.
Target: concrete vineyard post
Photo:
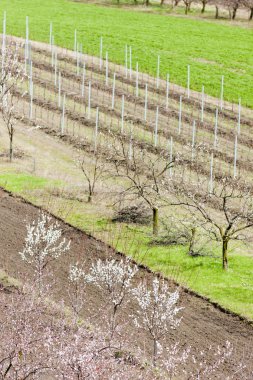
(158, 72)
(180, 115)
(31, 101)
(113, 90)
(31, 78)
(122, 113)
(146, 102)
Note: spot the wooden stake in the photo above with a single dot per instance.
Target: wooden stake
(146, 102)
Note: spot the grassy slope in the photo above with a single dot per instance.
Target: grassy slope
(233, 290)
(211, 49)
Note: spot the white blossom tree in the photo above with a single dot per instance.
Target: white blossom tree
(43, 244)
(115, 279)
(157, 312)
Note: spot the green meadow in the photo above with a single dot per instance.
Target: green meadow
(212, 49)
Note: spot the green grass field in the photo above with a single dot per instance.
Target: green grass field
(232, 289)
(210, 48)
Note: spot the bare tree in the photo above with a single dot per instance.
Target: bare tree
(249, 5)
(145, 173)
(226, 212)
(188, 4)
(12, 74)
(93, 171)
(204, 3)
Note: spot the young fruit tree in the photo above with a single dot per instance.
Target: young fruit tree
(93, 170)
(114, 278)
(157, 313)
(12, 74)
(225, 212)
(144, 174)
(43, 244)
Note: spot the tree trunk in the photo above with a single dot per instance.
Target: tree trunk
(234, 13)
(203, 8)
(251, 14)
(11, 148)
(155, 353)
(192, 241)
(217, 12)
(155, 221)
(225, 253)
(186, 9)
(89, 198)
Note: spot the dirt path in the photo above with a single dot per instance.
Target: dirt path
(203, 324)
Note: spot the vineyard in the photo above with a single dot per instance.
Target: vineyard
(159, 172)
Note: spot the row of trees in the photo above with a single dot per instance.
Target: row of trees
(41, 337)
(218, 208)
(231, 5)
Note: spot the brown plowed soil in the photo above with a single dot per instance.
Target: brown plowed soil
(202, 325)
